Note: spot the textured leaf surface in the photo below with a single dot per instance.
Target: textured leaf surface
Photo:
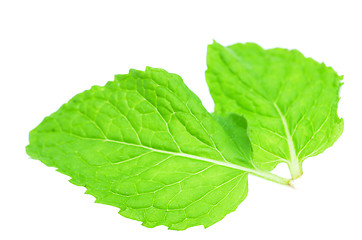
(289, 101)
(145, 144)
(236, 126)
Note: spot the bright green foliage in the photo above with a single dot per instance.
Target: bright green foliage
(145, 144)
(289, 101)
(236, 126)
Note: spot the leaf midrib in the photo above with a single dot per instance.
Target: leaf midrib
(294, 162)
(185, 155)
(256, 172)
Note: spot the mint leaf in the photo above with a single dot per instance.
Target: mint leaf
(236, 126)
(289, 101)
(145, 144)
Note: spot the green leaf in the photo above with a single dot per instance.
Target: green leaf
(289, 101)
(145, 144)
(236, 126)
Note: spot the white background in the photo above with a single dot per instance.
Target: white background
(52, 50)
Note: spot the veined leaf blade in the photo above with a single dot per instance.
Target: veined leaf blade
(145, 144)
(290, 101)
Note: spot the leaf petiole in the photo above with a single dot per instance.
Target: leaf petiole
(295, 169)
(271, 177)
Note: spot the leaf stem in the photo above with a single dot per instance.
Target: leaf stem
(295, 168)
(272, 177)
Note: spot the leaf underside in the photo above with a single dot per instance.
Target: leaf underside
(290, 102)
(145, 144)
